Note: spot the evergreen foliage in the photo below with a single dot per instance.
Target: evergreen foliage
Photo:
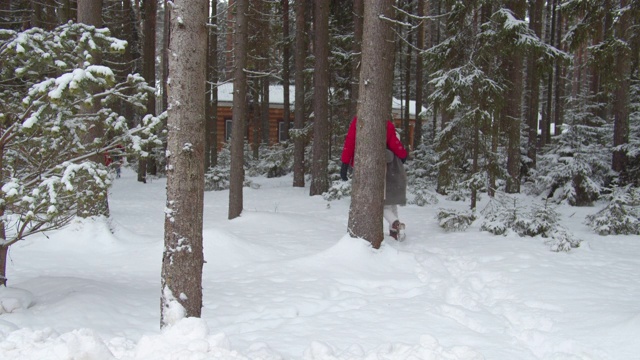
(470, 85)
(216, 178)
(338, 188)
(422, 175)
(49, 81)
(620, 216)
(504, 214)
(632, 149)
(576, 167)
(275, 160)
(453, 220)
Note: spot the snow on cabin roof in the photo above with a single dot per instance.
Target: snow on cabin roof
(276, 98)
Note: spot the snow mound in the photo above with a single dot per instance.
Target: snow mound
(13, 299)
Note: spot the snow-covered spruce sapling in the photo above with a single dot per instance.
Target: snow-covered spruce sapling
(49, 83)
(454, 220)
(620, 216)
(338, 188)
(504, 214)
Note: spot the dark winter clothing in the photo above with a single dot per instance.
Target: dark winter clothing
(343, 171)
(396, 178)
(395, 186)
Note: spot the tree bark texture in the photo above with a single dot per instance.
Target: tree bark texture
(622, 75)
(320, 151)
(211, 107)
(286, 60)
(236, 176)
(182, 259)
(148, 70)
(533, 82)
(4, 249)
(298, 112)
(374, 107)
(358, 11)
(417, 133)
(513, 112)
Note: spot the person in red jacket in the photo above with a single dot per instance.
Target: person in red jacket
(395, 178)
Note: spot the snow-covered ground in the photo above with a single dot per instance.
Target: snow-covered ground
(284, 282)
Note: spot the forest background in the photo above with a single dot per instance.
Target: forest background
(540, 97)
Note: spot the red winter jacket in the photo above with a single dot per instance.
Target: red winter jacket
(393, 143)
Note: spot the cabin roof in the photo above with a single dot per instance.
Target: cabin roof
(276, 99)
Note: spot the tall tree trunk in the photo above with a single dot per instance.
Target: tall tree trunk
(407, 91)
(597, 89)
(533, 83)
(264, 111)
(183, 258)
(320, 156)
(417, 132)
(148, 71)
(299, 140)
(545, 135)
(513, 112)
(5, 15)
(4, 248)
(444, 175)
(559, 78)
(67, 11)
(358, 12)
(436, 10)
(165, 52)
(236, 176)
(365, 212)
(90, 13)
(622, 70)
(286, 60)
(211, 108)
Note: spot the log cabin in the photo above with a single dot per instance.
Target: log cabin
(276, 115)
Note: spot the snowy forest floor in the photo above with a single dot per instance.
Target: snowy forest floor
(284, 281)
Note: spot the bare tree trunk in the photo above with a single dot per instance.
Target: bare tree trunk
(558, 113)
(236, 177)
(211, 108)
(320, 156)
(513, 112)
(299, 141)
(4, 252)
(286, 60)
(436, 10)
(4, 249)
(533, 83)
(417, 132)
(148, 71)
(622, 71)
(407, 90)
(183, 258)
(545, 133)
(358, 11)
(444, 175)
(264, 111)
(365, 212)
(165, 52)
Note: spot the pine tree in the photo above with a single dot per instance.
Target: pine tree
(45, 76)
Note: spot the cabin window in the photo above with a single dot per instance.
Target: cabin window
(283, 130)
(227, 129)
